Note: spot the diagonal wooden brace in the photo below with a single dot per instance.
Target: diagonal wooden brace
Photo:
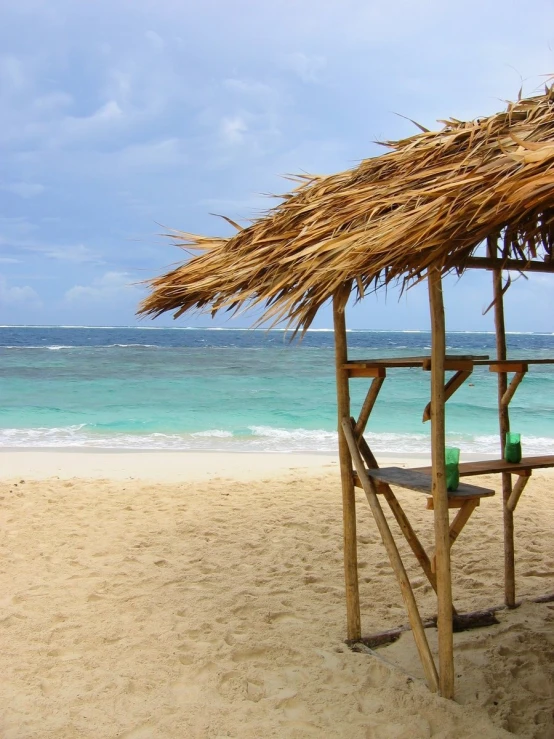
(394, 556)
(517, 490)
(449, 389)
(462, 517)
(368, 404)
(509, 394)
(401, 518)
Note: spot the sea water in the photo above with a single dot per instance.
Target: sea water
(246, 390)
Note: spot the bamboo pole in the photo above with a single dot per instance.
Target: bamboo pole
(353, 621)
(440, 497)
(416, 623)
(504, 427)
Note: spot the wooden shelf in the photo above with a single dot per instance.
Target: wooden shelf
(420, 481)
(393, 362)
(490, 466)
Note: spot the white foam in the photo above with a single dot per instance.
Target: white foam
(259, 439)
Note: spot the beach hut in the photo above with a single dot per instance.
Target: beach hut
(473, 195)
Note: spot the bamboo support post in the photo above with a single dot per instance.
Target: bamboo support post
(517, 490)
(353, 620)
(440, 497)
(368, 404)
(416, 623)
(504, 427)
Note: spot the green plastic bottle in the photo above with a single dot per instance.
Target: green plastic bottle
(452, 459)
(512, 450)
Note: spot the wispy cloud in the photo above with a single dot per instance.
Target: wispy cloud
(14, 295)
(307, 67)
(24, 189)
(111, 286)
(125, 117)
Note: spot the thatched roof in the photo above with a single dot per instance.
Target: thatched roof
(431, 200)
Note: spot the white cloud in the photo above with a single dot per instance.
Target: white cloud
(153, 155)
(12, 73)
(24, 189)
(17, 295)
(305, 66)
(75, 253)
(112, 287)
(232, 130)
(155, 40)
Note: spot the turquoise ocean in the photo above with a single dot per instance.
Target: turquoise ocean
(246, 390)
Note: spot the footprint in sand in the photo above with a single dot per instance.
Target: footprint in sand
(245, 655)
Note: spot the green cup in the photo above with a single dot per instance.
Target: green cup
(512, 450)
(452, 459)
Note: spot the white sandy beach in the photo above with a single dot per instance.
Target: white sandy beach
(197, 595)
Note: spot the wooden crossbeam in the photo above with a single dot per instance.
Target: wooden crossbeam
(517, 265)
(452, 502)
(368, 404)
(366, 371)
(452, 364)
(414, 616)
(450, 388)
(508, 366)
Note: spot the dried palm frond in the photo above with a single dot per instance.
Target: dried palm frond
(431, 200)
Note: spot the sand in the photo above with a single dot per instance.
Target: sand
(213, 606)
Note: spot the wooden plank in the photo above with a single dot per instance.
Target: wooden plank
(490, 466)
(452, 365)
(353, 620)
(515, 495)
(368, 404)
(406, 362)
(516, 265)
(511, 366)
(395, 560)
(450, 388)
(501, 363)
(421, 482)
(440, 497)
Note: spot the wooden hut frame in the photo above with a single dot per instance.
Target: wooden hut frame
(354, 451)
(417, 212)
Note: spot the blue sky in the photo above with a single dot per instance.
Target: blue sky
(120, 118)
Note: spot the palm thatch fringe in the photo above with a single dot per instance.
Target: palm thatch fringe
(431, 200)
